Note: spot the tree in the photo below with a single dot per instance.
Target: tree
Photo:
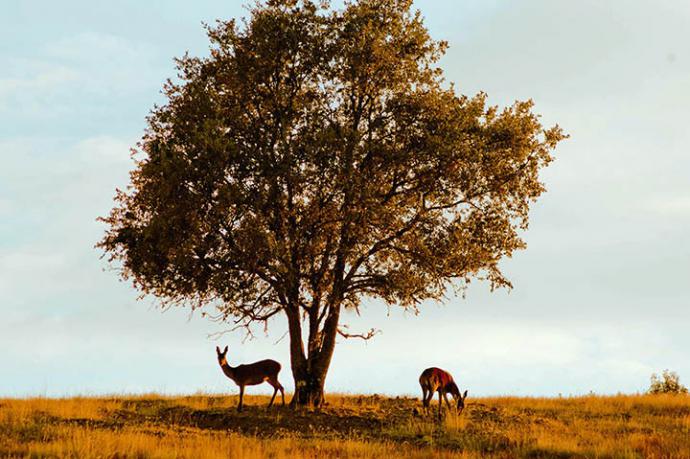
(314, 158)
(669, 383)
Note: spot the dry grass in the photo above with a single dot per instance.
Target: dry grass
(349, 427)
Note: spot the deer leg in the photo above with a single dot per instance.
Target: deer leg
(424, 397)
(445, 397)
(239, 407)
(276, 387)
(275, 391)
(440, 404)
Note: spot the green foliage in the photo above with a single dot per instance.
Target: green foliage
(669, 383)
(317, 157)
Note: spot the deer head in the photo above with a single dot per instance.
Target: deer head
(221, 355)
(461, 401)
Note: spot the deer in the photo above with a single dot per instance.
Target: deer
(436, 380)
(252, 374)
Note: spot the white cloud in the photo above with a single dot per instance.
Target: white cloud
(6, 206)
(98, 47)
(53, 192)
(78, 75)
(106, 64)
(41, 77)
(104, 150)
(24, 262)
(669, 206)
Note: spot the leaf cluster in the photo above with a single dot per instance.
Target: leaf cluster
(668, 383)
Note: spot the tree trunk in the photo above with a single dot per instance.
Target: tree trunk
(308, 388)
(310, 373)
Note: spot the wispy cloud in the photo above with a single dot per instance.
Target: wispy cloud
(41, 77)
(674, 205)
(52, 193)
(67, 84)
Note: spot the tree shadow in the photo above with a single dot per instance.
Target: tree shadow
(255, 420)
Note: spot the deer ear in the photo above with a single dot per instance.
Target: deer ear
(464, 396)
(225, 351)
(217, 350)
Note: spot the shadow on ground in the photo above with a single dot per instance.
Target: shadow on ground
(398, 420)
(258, 420)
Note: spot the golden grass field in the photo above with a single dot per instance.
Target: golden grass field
(635, 426)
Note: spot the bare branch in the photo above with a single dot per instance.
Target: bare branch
(281, 338)
(364, 336)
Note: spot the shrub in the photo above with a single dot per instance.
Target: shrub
(669, 383)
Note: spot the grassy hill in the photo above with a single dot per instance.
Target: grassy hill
(349, 427)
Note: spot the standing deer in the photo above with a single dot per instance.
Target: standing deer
(434, 379)
(252, 374)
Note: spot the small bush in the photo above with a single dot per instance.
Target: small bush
(669, 383)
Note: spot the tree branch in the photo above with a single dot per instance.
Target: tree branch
(363, 336)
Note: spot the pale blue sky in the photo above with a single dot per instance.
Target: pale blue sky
(601, 294)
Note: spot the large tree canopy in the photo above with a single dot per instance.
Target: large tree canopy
(317, 157)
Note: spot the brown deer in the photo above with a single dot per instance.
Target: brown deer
(252, 374)
(436, 380)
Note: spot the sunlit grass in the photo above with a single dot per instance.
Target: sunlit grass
(350, 426)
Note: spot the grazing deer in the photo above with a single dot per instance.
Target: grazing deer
(252, 374)
(433, 380)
